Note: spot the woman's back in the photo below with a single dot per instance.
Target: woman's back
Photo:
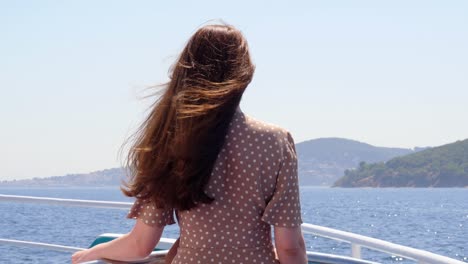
(228, 176)
(254, 185)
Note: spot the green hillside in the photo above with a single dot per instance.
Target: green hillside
(322, 161)
(444, 166)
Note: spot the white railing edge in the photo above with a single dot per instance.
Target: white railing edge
(419, 255)
(55, 247)
(67, 202)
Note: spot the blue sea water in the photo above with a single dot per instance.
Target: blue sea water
(431, 219)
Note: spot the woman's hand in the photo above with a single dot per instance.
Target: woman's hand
(83, 256)
(135, 245)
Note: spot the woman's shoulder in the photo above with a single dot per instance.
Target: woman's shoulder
(260, 128)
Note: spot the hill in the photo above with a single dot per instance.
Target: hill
(322, 161)
(444, 166)
(108, 177)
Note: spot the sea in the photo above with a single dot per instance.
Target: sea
(431, 219)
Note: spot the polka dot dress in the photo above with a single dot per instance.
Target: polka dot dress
(254, 184)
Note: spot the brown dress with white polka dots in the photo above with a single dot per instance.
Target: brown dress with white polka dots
(254, 185)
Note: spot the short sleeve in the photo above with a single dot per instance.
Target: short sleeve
(284, 209)
(150, 214)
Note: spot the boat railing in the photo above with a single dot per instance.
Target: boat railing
(357, 242)
(31, 244)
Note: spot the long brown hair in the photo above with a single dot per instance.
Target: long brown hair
(175, 148)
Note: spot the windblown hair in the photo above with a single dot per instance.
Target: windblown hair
(175, 148)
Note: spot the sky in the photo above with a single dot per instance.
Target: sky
(73, 74)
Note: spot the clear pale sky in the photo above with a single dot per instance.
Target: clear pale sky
(388, 73)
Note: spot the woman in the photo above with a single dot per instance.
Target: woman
(228, 176)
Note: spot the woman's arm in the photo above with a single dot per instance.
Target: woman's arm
(132, 246)
(290, 245)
